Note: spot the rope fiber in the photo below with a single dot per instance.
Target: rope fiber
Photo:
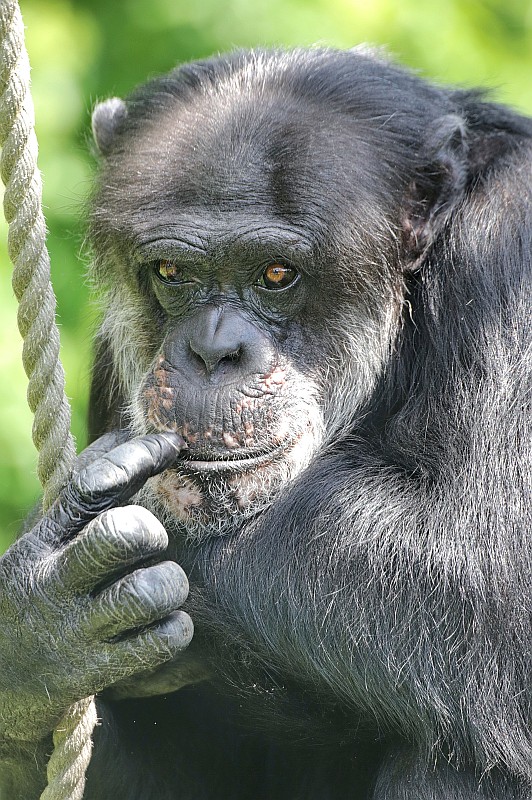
(40, 355)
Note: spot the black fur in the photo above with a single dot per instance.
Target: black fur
(368, 633)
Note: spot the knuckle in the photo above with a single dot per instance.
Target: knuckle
(182, 629)
(173, 634)
(145, 521)
(99, 478)
(45, 575)
(162, 586)
(132, 592)
(115, 539)
(179, 581)
(141, 596)
(130, 528)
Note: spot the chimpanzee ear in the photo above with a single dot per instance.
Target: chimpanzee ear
(106, 119)
(439, 186)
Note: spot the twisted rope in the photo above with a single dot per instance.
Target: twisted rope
(72, 752)
(40, 355)
(27, 251)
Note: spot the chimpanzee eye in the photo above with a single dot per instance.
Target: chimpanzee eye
(278, 276)
(168, 271)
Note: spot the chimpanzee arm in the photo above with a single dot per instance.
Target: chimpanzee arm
(396, 601)
(395, 574)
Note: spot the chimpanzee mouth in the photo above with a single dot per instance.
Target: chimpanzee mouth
(230, 462)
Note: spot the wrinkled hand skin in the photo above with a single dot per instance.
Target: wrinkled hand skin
(86, 599)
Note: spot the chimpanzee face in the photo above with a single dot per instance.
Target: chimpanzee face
(252, 289)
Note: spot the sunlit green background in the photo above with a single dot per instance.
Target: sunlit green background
(83, 50)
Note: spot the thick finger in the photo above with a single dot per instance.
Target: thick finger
(104, 444)
(145, 651)
(113, 479)
(117, 539)
(138, 600)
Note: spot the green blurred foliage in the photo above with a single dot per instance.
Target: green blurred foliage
(83, 50)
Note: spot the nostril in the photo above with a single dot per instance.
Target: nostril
(195, 356)
(219, 338)
(232, 357)
(211, 358)
(226, 360)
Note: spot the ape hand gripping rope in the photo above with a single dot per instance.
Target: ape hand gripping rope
(36, 320)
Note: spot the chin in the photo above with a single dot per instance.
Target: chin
(204, 497)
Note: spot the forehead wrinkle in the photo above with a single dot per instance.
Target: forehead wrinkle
(211, 237)
(222, 152)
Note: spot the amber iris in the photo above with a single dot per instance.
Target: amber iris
(168, 270)
(278, 276)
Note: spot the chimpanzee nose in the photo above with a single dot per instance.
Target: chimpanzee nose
(223, 341)
(220, 349)
(220, 344)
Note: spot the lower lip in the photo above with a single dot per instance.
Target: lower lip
(229, 465)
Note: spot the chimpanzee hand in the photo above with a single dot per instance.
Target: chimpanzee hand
(80, 607)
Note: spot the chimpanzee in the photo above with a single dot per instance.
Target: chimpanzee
(311, 392)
